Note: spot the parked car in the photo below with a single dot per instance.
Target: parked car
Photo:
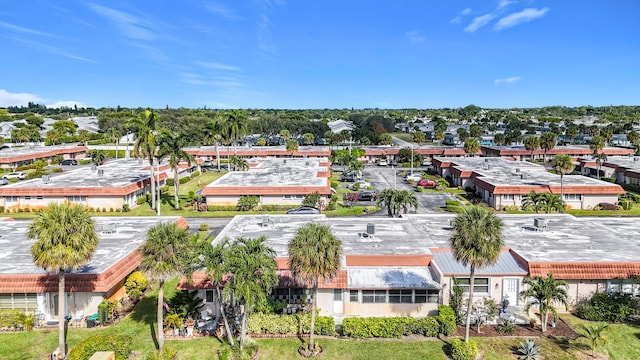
(426, 183)
(15, 175)
(348, 177)
(426, 162)
(366, 195)
(68, 162)
(304, 210)
(414, 177)
(208, 165)
(3, 181)
(382, 162)
(361, 184)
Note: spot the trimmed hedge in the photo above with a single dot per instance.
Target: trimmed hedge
(607, 307)
(461, 350)
(11, 318)
(447, 320)
(120, 344)
(389, 327)
(169, 181)
(289, 324)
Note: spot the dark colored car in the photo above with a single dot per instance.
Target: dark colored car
(304, 210)
(208, 165)
(68, 162)
(427, 183)
(348, 177)
(366, 195)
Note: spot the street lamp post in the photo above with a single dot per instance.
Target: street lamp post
(159, 191)
(411, 159)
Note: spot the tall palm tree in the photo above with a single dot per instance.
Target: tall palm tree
(172, 146)
(471, 146)
(499, 139)
(594, 335)
(388, 198)
(407, 199)
(547, 142)
(534, 200)
(166, 254)
(292, 145)
(546, 292)
(596, 144)
(600, 157)
(215, 129)
(113, 134)
(314, 256)
(66, 239)
(562, 164)
(285, 134)
(213, 259)
(253, 270)
(476, 241)
(550, 202)
(532, 143)
(145, 145)
(235, 125)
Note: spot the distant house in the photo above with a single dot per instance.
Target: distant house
(337, 126)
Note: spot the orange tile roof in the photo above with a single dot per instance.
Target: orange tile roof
(586, 270)
(388, 260)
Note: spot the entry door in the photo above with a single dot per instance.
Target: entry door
(510, 286)
(338, 303)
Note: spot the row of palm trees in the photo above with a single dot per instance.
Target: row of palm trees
(244, 269)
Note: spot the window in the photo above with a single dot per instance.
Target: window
(481, 285)
(286, 197)
(208, 294)
(572, 197)
(39, 197)
(27, 197)
(401, 296)
(292, 295)
(21, 301)
(337, 294)
(353, 296)
(627, 286)
(508, 197)
(11, 199)
(367, 296)
(76, 198)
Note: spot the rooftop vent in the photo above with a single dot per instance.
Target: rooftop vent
(265, 221)
(110, 228)
(636, 159)
(101, 172)
(524, 176)
(371, 228)
(517, 170)
(486, 160)
(284, 161)
(541, 224)
(46, 179)
(306, 163)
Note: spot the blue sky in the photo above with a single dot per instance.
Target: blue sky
(320, 53)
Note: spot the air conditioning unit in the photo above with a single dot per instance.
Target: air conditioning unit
(371, 228)
(46, 179)
(101, 172)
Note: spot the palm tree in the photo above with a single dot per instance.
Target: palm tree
(534, 200)
(547, 142)
(407, 199)
(235, 126)
(308, 138)
(471, 146)
(285, 134)
(172, 146)
(476, 241)
(215, 129)
(292, 145)
(113, 134)
(532, 143)
(600, 157)
(145, 145)
(562, 164)
(388, 198)
(98, 157)
(594, 335)
(253, 267)
(66, 239)
(545, 291)
(596, 144)
(499, 139)
(550, 202)
(213, 259)
(314, 256)
(166, 254)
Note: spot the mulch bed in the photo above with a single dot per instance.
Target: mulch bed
(562, 329)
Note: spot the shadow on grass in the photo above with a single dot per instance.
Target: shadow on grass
(146, 312)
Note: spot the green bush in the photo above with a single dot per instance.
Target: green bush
(120, 344)
(204, 227)
(195, 174)
(84, 162)
(452, 203)
(125, 208)
(288, 324)
(626, 204)
(454, 209)
(506, 327)
(607, 307)
(446, 319)
(184, 180)
(461, 350)
(170, 182)
(136, 284)
(247, 202)
(11, 318)
(389, 327)
(142, 199)
(108, 311)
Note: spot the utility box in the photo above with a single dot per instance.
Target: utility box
(371, 228)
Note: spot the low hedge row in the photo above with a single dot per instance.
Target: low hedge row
(11, 318)
(289, 324)
(397, 327)
(120, 344)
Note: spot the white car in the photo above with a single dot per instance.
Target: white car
(382, 162)
(15, 175)
(414, 177)
(361, 185)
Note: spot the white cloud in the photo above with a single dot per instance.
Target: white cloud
(504, 3)
(509, 80)
(66, 103)
(17, 99)
(520, 17)
(20, 29)
(217, 66)
(414, 36)
(458, 19)
(221, 10)
(466, 11)
(479, 22)
(129, 25)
